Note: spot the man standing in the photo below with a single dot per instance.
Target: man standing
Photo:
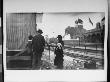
(38, 43)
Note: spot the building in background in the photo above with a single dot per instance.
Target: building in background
(95, 35)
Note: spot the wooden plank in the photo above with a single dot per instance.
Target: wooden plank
(18, 58)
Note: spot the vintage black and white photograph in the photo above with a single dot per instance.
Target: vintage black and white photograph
(55, 41)
(1, 77)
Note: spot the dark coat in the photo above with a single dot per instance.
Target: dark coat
(59, 55)
(38, 43)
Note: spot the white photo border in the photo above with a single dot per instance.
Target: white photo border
(11, 6)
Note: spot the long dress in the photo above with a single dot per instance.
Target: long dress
(59, 55)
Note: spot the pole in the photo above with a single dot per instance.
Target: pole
(79, 41)
(85, 43)
(49, 53)
(96, 49)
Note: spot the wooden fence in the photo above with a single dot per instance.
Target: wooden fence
(18, 27)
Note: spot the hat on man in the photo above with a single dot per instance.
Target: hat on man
(40, 31)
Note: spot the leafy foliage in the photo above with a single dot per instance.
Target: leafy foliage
(75, 30)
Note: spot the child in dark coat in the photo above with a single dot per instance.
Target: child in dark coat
(59, 53)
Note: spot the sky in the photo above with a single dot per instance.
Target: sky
(54, 24)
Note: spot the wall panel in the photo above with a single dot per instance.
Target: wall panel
(18, 27)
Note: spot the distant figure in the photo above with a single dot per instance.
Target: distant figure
(59, 53)
(38, 47)
(29, 47)
(47, 40)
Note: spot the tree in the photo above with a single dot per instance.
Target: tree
(73, 31)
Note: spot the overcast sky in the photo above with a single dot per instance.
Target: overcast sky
(55, 23)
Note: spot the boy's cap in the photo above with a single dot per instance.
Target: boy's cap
(59, 36)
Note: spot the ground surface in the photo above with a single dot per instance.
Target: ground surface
(23, 62)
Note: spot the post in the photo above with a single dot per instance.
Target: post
(85, 42)
(96, 49)
(79, 41)
(85, 48)
(73, 44)
(49, 53)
